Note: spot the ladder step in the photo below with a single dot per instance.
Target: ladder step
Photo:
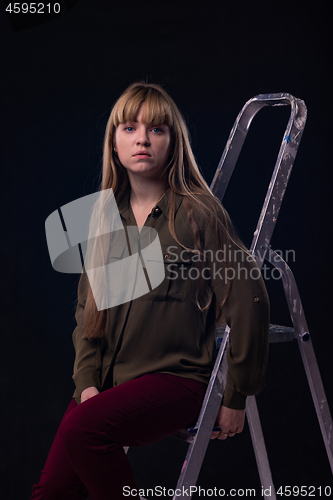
(277, 333)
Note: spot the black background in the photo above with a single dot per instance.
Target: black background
(59, 80)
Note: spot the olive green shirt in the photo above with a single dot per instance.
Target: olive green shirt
(164, 331)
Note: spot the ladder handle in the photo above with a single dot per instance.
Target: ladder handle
(280, 177)
(283, 165)
(238, 134)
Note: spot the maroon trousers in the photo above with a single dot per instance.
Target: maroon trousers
(87, 456)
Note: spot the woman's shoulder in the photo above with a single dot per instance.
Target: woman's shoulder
(209, 220)
(199, 216)
(205, 208)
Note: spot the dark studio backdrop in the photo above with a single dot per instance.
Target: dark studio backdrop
(59, 81)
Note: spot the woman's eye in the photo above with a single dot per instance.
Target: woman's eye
(157, 130)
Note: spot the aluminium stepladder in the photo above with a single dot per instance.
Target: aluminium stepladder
(260, 250)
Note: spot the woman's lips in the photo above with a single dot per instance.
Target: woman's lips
(142, 154)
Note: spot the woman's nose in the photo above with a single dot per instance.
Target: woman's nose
(143, 138)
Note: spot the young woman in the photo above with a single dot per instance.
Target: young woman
(142, 367)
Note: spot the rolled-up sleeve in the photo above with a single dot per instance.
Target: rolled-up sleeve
(246, 312)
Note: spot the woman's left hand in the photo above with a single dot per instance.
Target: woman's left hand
(88, 393)
(230, 422)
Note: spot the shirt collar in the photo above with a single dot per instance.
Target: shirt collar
(163, 204)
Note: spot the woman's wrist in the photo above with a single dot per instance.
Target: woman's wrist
(88, 393)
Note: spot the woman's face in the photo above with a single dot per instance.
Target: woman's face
(142, 149)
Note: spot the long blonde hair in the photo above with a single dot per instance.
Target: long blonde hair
(184, 178)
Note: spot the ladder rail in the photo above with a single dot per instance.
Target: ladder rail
(210, 407)
(306, 349)
(259, 447)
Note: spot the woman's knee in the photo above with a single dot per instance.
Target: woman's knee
(72, 428)
(81, 427)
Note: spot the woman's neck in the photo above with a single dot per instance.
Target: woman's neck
(146, 193)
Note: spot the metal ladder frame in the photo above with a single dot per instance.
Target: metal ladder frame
(260, 250)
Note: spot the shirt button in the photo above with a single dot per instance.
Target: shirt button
(155, 212)
(115, 383)
(166, 256)
(256, 299)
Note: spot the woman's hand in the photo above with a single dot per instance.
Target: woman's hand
(88, 393)
(230, 422)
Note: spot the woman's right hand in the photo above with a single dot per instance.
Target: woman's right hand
(88, 393)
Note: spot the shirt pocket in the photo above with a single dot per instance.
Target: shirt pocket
(177, 264)
(113, 268)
